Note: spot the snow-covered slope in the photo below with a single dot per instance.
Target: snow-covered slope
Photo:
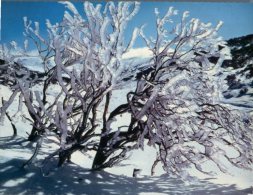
(238, 72)
(74, 179)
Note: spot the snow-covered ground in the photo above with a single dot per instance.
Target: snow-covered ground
(75, 177)
(234, 93)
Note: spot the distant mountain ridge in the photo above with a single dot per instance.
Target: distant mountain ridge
(237, 72)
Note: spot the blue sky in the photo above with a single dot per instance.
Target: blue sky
(237, 17)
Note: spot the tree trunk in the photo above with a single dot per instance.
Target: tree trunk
(101, 155)
(34, 135)
(12, 124)
(65, 155)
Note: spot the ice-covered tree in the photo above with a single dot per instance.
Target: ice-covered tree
(176, 102)
(174, 106)
(82, 59)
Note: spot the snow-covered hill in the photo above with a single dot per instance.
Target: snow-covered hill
(238, 72)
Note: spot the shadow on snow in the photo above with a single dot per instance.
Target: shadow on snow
(73, 179)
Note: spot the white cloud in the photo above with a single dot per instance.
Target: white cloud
(143, 52)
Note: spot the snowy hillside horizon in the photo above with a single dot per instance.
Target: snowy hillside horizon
(237, 72)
